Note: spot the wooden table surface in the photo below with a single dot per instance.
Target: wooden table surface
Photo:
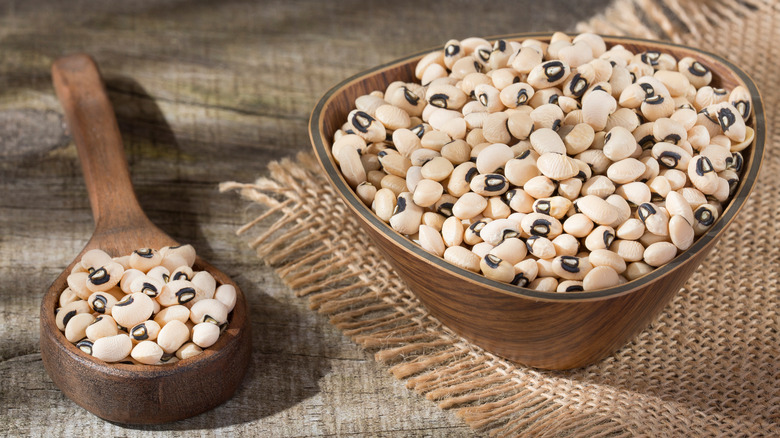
(207, 92)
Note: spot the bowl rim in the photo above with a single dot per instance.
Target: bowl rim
(746, 184)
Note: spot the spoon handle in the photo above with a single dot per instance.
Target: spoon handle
(93, 125)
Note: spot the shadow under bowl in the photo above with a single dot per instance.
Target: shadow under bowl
(538, 329)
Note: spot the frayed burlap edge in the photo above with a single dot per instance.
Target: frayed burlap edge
(343, 276)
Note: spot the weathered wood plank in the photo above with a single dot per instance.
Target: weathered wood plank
(206, 92)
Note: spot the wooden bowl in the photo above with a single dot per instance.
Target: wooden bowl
(148, 394)
(538, 329)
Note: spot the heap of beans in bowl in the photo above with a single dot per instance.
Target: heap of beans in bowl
(562, 166)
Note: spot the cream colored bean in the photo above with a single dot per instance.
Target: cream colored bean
(94, 259)
(384, 204)
(431, 241)
(132, 309)
(619, 144)
(521, 169)
(366, 192)
(660, 253)
(452, 231)
(600, 238)
(544, 284)
(205, 334)
(173, 335)
(159, 273)
(209, 310)
(427, 193)
(557, 166)
(146, 285)
(597, 209)
(681, 232)
(469, 205)
(548, 74)
(147, 352)
(635, 192)
(471, 235)
(112, 348)
(127, 279)
(626, 170)
(539, 187)
(393, 163)
(571, 268)
(600, 277)
(656, 219)
(176, 312)
(525, 272)
(702, 175)
(227, 295)
(457, 151)
(77, 326)
(495, 268)
(68, 311)
(629, 250)
(566, 245)
(704, 216)
(493, 157)
(541, 247)
(177, 292)
(104, 277)
(545, 140)
(631, 229)
(497, 208)
(68, 296)
(599, 185)
(462, 257)
(188, 350)
(605, 257)
(511, 249)
(101, 327)
(490, 184)
(394, 118)
(578, 225)
(637, 269)
(539, 224)
(496, 231)
(437, 169)
(145, 259)
(407, 215)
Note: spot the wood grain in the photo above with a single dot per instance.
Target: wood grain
(206, 92)
(543, 330)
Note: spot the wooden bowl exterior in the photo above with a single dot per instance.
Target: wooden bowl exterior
(147, 394)
(538, 329)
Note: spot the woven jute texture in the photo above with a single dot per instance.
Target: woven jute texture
(708, 366)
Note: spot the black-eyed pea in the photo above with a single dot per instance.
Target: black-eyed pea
(631, 229)
(406, 141)
(570, 267)
(677, 178)
(490, 184)
(76, 327)
(434, 140)
(704, 216)
(545, 95)
(570, 286)
(172, 336)
(635, 193)
(619, 143)
(540, 247)
(740, 99)
(496, 208)
(555, 206)
(68, 296)
(659, 188)
(384, 204)
(177, 292)
(146, 285)
(393, 163)
(735, 163)
(159, 273)
(443, 207)
(566, 245)
(431, 241)
(146, 330)
(457, 151)
(548, 116)
(652, 168)
(227, 295)
(436, 57)
(626, 170)
(495, 268)
(697, 73)
(516, 94)
(368, 103)
(686, 117)
(123, 260)
(209, 310)
(104, 277)
(465, 66)
(659, 253)
(598, 185)
(548, 74)
(133, 309)
(503, 77)
(395, 183)
(101, 302)
(526, 59)
(470, 82)
(68, 311)
(112, 348)
(545, 140)
(595, 158)
(421, 156)
(443, 96)
(525, 272)
(101, 327)
(703, 175)
(671, 156)
(600, 277)
(669, 131)
(176, 312)
(539, 224)
(597, 105)
(406, 215)
(519, 170)
(677, 205)
(656, 219)
(452, 231)
(500, 54)
(459, 181)
(438, 169)
(605, 257)
(681, 232)
(629, 250)
(147, 352)
(489, 96)
(544, 284)
(569, 188)
(495, 128)
(539, 187)
(94, 259)
(471, 236)
(518, 200)
(512, 250)
(600, 237)
(578, 225)
(718, 156)
(573, 118)
(496, 231)
(205, 334)
(145, 259)
(413, 177)
(462, 257)
(469, 205)
(596, 209)
(348, 141)
(579, 138)
(732, 179)
(366, 192)
(188, 350)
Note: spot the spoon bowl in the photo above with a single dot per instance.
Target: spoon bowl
(123, 393)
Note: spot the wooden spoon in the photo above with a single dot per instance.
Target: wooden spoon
(120, 392)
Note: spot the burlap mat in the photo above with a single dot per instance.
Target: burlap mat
(709, 366)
